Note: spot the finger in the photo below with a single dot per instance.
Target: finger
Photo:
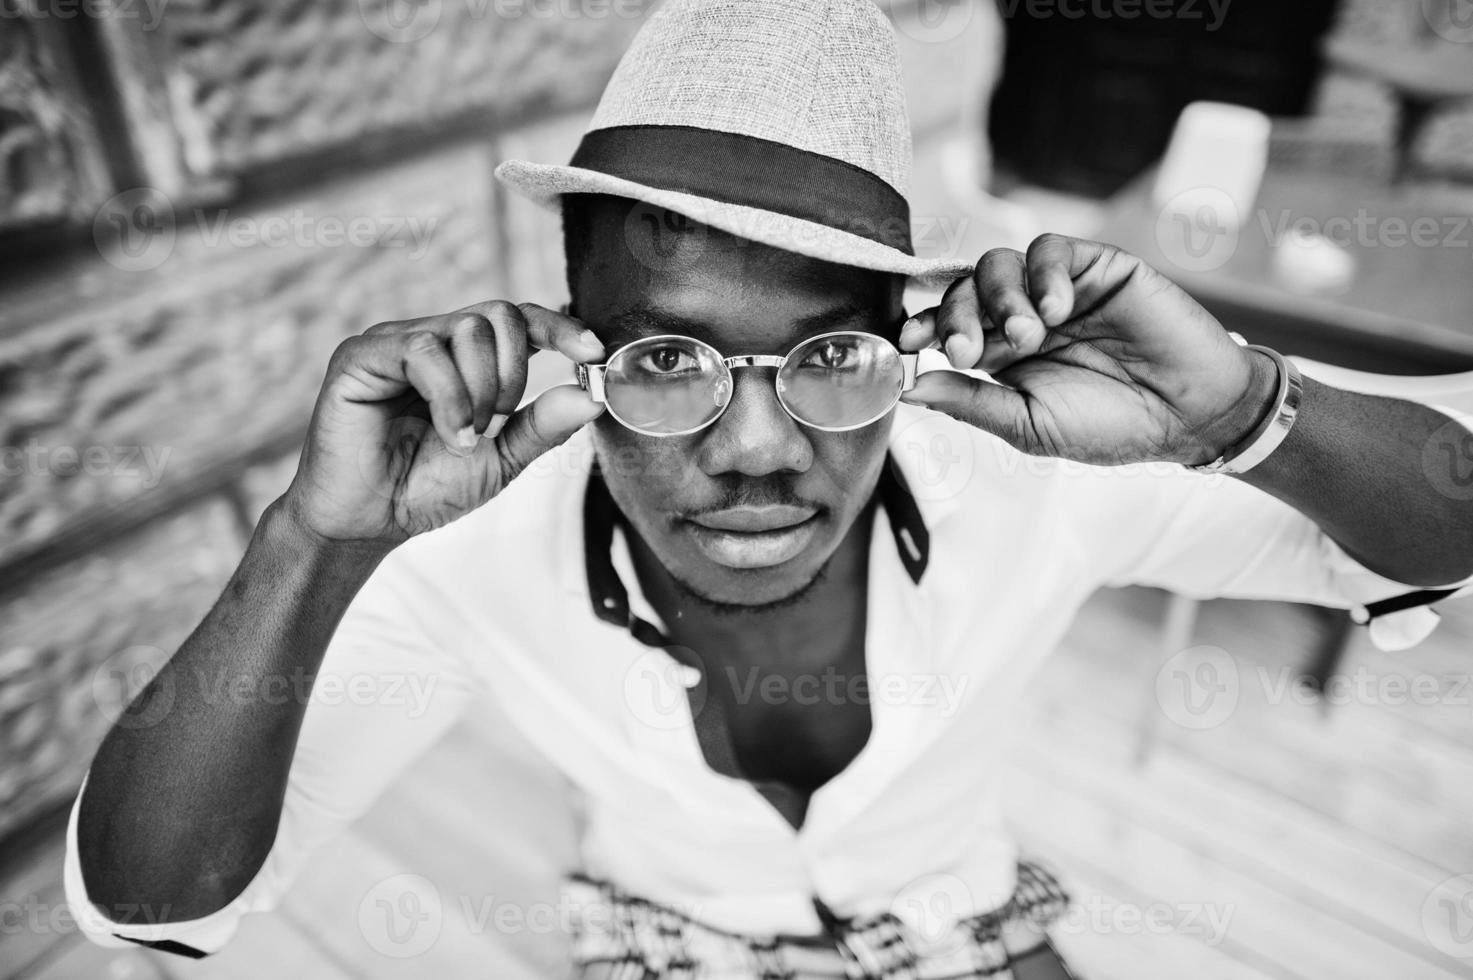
(473, 346)
(1051, 277)
(513, 348)
(428, 366)
(1002, 289)
(990, 407)
(547, 422)
(550, 330)
(997, 353)
(959, 323)
(919, 331)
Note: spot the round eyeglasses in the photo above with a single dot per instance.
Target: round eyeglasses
(671, 385)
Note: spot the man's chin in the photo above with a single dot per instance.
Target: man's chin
(750, 591)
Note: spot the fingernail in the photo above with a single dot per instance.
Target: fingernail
(1015, 326)
(590, 340)
(466, 438)
(1051, 307)
(912, 326)
(954, 350)
(494, 427)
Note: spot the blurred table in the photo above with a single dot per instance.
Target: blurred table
(1407, 309)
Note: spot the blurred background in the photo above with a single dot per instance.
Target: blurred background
(200, 198)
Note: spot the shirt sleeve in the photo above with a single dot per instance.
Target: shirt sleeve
(391, 684)
(1208, 536)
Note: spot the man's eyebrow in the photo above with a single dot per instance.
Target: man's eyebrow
(838, 316)
(652, 319)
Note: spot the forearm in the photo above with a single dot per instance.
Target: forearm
(1358, 465)
(183, 797)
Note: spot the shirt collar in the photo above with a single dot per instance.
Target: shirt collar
(610, 597)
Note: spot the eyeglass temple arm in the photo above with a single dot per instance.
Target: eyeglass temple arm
(591, 379)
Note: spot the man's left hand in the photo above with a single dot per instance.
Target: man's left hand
(1099, 359)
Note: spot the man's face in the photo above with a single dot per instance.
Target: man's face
(748, 510)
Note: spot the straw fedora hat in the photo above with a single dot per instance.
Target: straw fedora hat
(779, 121)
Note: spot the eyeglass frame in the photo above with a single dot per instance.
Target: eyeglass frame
(590, 378)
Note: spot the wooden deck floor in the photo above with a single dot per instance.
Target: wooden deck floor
(1290, 839)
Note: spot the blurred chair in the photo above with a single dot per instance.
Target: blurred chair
(1450, 393)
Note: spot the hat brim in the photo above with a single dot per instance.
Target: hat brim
(544, 184)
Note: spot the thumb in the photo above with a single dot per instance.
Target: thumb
(990, 407)
(547, 422)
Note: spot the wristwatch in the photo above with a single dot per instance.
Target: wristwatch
(1272, 431)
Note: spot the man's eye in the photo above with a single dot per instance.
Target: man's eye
(830, 355)
(667, 360)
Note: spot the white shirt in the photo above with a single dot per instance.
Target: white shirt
(493, 612)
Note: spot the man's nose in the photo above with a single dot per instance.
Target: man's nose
(755, 436)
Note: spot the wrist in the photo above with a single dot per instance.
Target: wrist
(282, 528)
(1247, 416)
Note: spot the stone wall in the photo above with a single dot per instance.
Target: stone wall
(198, 201)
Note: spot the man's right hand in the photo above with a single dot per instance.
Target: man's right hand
(395, 446)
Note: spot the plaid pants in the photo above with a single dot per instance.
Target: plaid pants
(635, 939)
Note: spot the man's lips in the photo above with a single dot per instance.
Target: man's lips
(754, 537)
(755, 520)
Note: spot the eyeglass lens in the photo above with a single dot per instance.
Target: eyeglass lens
(673, 385)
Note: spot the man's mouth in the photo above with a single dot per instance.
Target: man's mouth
(754, 537)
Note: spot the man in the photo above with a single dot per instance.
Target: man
(734, 508)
